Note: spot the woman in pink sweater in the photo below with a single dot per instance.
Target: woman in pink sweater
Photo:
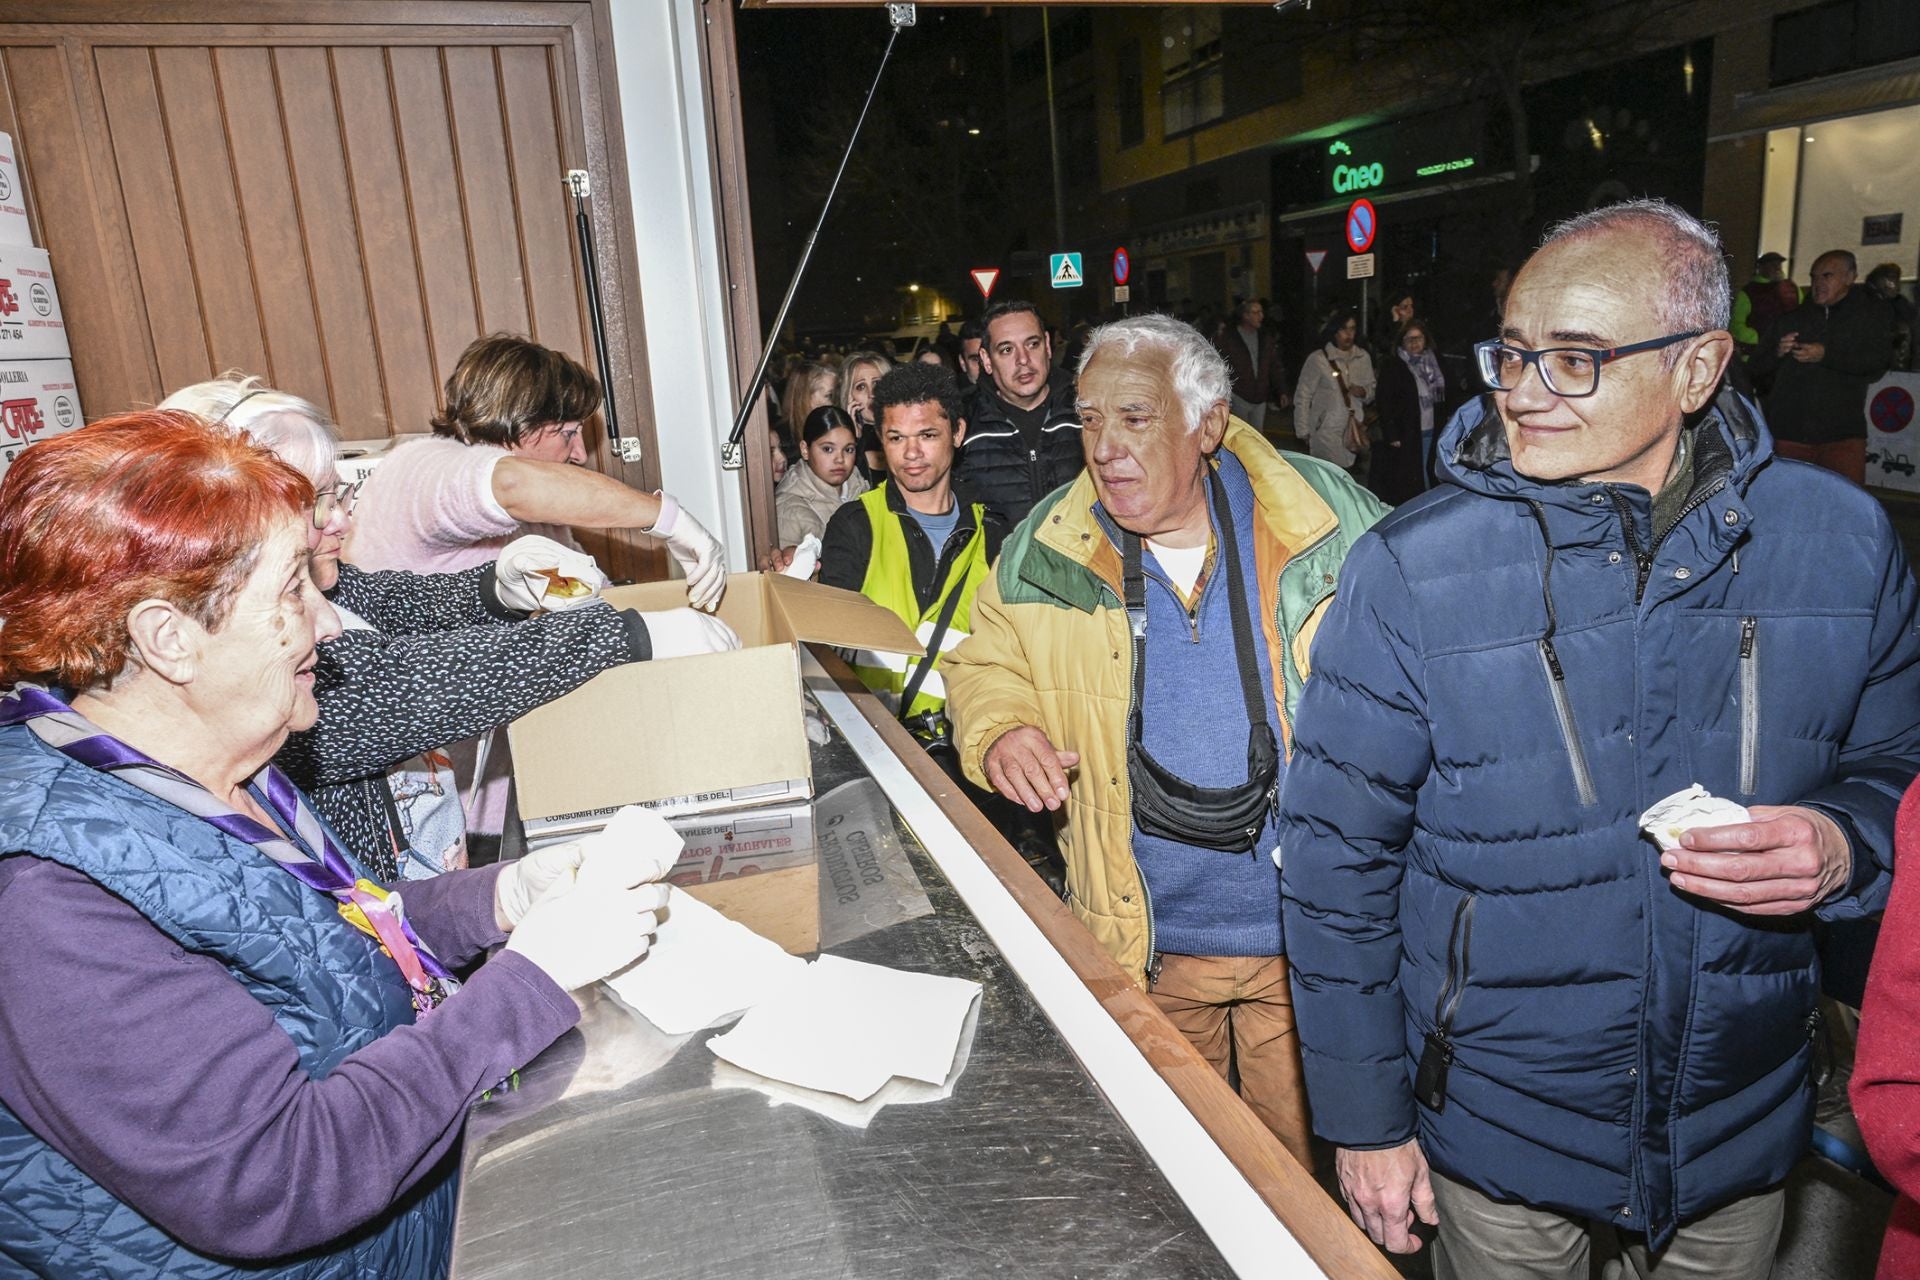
(507, 458)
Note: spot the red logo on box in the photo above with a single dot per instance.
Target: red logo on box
(22, 418)
(8, 303)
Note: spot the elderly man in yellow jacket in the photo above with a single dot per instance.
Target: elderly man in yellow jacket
(1135, 661)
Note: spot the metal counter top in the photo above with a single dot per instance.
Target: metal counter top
(624, 1152)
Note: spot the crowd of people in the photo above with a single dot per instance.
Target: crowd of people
(1340, 751)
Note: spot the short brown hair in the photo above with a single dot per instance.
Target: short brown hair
(506, 388)
(149, 505)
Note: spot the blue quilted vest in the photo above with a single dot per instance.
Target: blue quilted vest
(329, 988)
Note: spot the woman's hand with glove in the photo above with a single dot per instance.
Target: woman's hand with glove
(697, 552)
(579, 933)
(681, 633)
(522, 576)
(526, 880)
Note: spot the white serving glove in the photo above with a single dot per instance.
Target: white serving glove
(680, 633)
(525, 881)
(520, 583)
(578, 933)
(697, 552)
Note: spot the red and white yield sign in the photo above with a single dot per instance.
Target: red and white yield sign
(985, 278)
(1362, 222)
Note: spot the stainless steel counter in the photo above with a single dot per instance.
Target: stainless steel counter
(627, 1153)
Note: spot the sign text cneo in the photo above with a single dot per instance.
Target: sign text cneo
(1358, 178)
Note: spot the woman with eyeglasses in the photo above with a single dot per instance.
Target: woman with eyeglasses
(428, 661)
(225, 1050)
(507, 457)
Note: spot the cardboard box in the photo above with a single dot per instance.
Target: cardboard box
(14, 227)
(31, 326)
(693, 735)
(37, 400)
(756, 866)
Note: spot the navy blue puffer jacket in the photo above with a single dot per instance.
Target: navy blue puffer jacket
(1511, 673)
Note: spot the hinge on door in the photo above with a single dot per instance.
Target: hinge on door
(579, 185)
(903, 15)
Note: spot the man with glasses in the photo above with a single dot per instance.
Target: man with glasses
(1519, 1016)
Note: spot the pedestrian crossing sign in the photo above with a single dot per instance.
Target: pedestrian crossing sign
(1065, 270)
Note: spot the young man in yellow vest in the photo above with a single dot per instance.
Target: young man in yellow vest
(911, 545)
(915, 546)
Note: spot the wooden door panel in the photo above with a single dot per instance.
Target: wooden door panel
(433, 193)
(339, 200)
(41, 112)
(328, 226)
(276, 253)
(546, 210)
(139, 139)
(379, 191)
(486, 189)
(216, 241)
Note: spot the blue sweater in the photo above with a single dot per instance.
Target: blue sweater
(1193, 721)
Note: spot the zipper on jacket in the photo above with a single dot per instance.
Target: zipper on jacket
(1146, 898)
(1436, 1055)
(1643, 560)
(1749, 706)
(1569, 735)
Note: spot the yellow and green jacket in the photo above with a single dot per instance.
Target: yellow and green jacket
(1050, 647)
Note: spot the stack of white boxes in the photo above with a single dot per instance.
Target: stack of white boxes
(38, 398)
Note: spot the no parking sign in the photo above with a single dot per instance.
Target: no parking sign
(1893, 442)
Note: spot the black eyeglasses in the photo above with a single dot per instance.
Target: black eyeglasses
(1568, 372)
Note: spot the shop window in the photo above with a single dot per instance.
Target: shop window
(1130, 90)
(1841, 36)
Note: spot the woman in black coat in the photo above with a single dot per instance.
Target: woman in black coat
(1399, 469)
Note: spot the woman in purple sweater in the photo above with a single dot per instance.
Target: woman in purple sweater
(224, 1049)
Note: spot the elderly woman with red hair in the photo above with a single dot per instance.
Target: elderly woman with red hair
(225, 1050)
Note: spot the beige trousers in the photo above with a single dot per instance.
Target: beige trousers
(1238, 1011)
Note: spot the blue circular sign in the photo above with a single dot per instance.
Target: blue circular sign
(1122, 265)
(1892, 409)
(1361, 224)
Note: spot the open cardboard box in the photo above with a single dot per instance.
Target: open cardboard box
(693, 735)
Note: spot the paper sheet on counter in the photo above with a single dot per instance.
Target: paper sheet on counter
(848, 1028)
(702, 968)
(844, 1110)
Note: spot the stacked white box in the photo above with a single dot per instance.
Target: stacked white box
(14, 228)
(31, 326)
(38, 396)
(37, 400)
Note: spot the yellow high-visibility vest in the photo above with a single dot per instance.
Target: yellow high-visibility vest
(889, 584)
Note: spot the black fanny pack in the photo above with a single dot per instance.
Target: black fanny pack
(1226, 819)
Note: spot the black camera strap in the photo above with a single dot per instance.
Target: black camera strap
(1226, 819)
(947, 610)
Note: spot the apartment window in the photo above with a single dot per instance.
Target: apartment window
(1843, 35)
(1192, 91)
(1131, 92)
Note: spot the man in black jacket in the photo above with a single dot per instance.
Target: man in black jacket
(1023, 438)
(1815, 364)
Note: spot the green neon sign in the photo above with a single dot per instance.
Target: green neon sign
(1445, 166)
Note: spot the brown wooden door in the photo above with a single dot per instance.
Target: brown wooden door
(337, 196)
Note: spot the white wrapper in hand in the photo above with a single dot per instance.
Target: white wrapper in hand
(637, 846)
(1684, 810)
(806, 558)
(520, 574)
